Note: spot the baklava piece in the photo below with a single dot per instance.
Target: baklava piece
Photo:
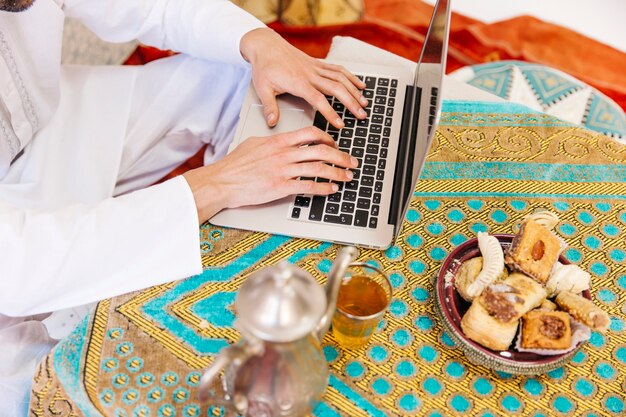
(534, 251)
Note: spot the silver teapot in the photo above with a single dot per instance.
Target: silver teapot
(278, 367)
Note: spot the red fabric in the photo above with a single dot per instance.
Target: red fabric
(399, 26)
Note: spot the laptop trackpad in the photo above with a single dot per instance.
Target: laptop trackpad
(255, 125)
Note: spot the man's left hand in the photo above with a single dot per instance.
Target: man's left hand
(278, 67)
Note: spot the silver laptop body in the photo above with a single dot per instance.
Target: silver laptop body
(391, 146)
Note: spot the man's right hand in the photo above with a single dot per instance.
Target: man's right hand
(263, 169)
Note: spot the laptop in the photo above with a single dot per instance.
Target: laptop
(391, 146)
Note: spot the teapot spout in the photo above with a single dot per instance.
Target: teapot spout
(345, 257)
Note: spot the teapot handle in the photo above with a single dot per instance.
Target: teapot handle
(237, 355)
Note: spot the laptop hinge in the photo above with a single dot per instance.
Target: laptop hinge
(406, 154)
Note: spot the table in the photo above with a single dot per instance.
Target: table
(490, 164)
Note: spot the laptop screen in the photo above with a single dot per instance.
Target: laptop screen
(426, 106)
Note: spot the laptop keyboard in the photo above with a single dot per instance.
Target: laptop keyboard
(357, 202)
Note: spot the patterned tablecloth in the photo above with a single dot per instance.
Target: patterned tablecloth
(142, 354)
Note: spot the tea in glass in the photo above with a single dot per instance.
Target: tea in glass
(362, 301)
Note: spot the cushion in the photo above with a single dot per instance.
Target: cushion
(548, 90)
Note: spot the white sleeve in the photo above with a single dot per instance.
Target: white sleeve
(83, 253)
(209, 29)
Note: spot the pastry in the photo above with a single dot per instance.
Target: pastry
(493, 264)
(524, 288)
(583, 310)
(545, 218)
(547, 305)
(546, 330)
(570, 278)
(534, 251)
(493, 317)
(488, 330)
(467, 274)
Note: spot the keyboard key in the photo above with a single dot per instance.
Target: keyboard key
(385, 143)
(360, 218)
(363, 203)
(378, 187)
(334, 135)
(357, 152)
(380, 100)
(338, 106)
(349, 195)
(377, 118)
(345, 143)
(295, 213)
(302, 201)
(373, 139)
(383, 153)
(382, 91)
(389, 111)
(352, 185)
(433, 100)
(383, 81)
(317, 208)
(358, 141)
(341, 219)
(370, 159)
(363, 123)
(319, 179)
(376, 199)
(375, 210)
(334, 198)
(320, 121)
(381, 164)
(394, 83)
(392, 92)
(365, 192)
(380, 175)
(367, 181)
(431, 120)
(347, 133)
(368, 93)
(349, 121)
(387, 132)
(307, 179)
(391, 102)
(376, 129)
(369, 169)
(432, 110)
(361, 131)
(347, 207)
(372, 149)
(370, 82)
(355, 173)
(388, 121)
(373, 222)
(379, 109)
(434, 91)
(332, 208)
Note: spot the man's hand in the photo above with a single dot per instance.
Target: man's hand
(263, 169)
(278, 67)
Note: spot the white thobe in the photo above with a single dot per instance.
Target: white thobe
(78, 146)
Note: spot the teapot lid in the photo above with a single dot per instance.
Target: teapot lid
(281, 303)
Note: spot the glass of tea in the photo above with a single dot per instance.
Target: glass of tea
(364, 295)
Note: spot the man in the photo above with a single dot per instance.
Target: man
(80, 146)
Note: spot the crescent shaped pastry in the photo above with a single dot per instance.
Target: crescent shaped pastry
(493, 264)
(570, 278)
